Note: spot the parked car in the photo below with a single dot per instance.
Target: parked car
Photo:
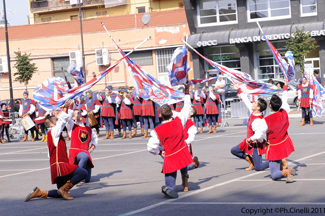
(292, 96)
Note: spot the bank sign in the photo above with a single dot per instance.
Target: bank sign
(272, 37)
(257, 38)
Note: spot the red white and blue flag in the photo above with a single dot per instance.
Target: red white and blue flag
(148, 87)
(203, 80)
(318, 93)
(287, 69)
(178, 67)
(243, 80)
(51, 94)
(76, 72)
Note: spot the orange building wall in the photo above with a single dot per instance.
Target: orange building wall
(43, 49)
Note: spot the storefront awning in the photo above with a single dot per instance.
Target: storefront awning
(253, 35)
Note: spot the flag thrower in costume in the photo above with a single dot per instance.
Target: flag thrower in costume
(318, 93)
(287, 69)
(242, 80)
(147, 86)
(178, 67)
(51, 94)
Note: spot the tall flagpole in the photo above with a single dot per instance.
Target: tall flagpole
(8, 60)
(82, 42)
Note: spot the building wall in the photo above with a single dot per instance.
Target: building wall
(44, 49)
(100, 10)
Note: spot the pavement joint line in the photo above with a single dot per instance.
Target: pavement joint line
(248, 203)
(22, 151)
(207, 188)
(224, 135)
(35, 170)
(29, 160)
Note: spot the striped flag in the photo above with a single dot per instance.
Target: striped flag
(178, 67)
(76, 73)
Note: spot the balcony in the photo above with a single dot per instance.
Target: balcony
(39, 6)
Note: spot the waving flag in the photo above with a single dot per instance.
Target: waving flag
(318, 93)
(76, 72)
(51, 94)
(178, 67)
(287, 69)
(243, 80)
(203, 80)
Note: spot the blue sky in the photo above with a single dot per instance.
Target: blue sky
(19, 9)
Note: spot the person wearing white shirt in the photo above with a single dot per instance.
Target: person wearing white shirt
(170, 137)
(64, 174)
(220, 86)
(27, 107)
(280, 145)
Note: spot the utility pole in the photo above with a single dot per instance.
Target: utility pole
(82, 41)
(9, 68)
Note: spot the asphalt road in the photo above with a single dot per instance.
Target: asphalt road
(126, 179)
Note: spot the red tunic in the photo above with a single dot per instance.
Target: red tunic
(137, 107)
(171, 137)
(188, 125)
(198, 106)
(244, 146)
(158, 110)
(91, 103)
(1, 114)
(80, 142)
(305, 96)
(179, 106)
(107, 108)
(147, 108)
(172, 106)
(59, 161)
(211, 107)
(26, 107)
(280, 144)
(125, 110)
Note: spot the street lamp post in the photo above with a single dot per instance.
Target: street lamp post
(82, 41)
(9, 68)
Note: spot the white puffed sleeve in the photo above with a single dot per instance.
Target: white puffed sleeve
(153, 144)
(259, 127)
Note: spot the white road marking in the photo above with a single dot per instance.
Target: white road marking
(207, 188)
(268, 180)
(29, 160)
(315, 164)
(15, 170)
(221, 135)
(14, 174)
(22, 151)
(248, 203)
(120, 154)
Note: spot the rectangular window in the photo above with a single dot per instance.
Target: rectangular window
(308, 7)
(60, 66)
(141, 9)
(267, 65)
(268, 9)
(142, 58)
(228, 56)
(217, 12)
(163, 59)
(74, 17)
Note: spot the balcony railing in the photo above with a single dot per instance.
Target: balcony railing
(53, 5)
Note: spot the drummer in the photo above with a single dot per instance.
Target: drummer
(92, 104)
(5, 124)
(27, 108)
(40, 119)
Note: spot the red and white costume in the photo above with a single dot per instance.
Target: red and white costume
(244, 145)
(275, 126)
(211, 107)
(170, 136)
(125, 108)
(108, 105)
(82, 137)
(59, 161)
(189, 132)
(305, 95)
(179, 106)
(137, 107)
(27, 106)
(93, 105)
(197, 103)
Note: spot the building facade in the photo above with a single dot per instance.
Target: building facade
(54, 45)
(226, 31)
(47, 11)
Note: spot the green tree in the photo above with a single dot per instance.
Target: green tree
(300, 45)
(25, 69)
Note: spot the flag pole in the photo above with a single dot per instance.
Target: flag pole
(145, 40)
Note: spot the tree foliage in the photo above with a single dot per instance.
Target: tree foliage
(300, 45)
(25, 69)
